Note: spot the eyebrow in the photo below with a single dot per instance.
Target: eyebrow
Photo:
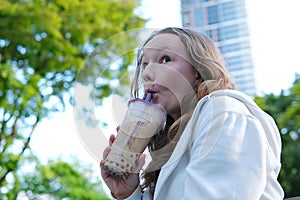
(160, 48)
(163, 47)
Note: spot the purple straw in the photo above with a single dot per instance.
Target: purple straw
(149, 96)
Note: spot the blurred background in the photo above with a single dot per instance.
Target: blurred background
(48, 46)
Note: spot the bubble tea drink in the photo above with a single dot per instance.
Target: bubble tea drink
(142, 121)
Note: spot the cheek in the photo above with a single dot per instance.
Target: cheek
(171, 104)
(179, 83)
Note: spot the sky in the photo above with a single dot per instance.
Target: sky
(274, 31)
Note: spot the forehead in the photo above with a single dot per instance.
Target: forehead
(167, 42)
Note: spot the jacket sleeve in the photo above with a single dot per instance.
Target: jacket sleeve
(227, 158)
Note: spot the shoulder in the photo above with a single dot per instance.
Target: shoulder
(224, 122)
(225, 101)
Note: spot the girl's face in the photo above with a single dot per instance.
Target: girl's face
(167, 72)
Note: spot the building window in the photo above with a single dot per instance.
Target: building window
(228, 11)
(192, 2)
(186, 19)
(188, 1)
(212, 34)
(213, 15)
(230, 48)
(234, 47)
(206, 32)
(228, 32)
(198, 17)
(238, 62)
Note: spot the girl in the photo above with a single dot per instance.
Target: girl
(217, 144)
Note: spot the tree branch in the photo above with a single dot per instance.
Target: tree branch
(12, 135)
(25, 146)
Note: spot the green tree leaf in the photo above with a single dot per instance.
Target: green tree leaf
(285, 109)
(43, 45)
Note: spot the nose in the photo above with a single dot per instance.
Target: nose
(148, 74)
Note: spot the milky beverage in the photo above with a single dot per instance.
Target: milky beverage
(142, 121)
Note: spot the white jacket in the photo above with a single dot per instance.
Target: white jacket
(230, 149)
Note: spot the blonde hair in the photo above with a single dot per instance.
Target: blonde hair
(211, 75)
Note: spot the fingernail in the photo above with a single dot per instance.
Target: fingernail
(112, 137)
(102, 162)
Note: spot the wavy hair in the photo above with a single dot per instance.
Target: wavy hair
(211, 75)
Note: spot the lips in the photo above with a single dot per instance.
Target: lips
(150, 91)
(155, 98)
(154, 89)
(153, 92)
(150, 88)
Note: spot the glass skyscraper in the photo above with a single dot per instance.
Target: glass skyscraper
(225, 22)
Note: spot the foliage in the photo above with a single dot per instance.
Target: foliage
(56, 180)
(285, 108)
(43, 43)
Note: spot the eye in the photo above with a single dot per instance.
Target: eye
(165, 59)
(144, 65)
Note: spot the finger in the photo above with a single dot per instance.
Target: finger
(141, 163)
(102, 162)
(111, 139)
(105, 152)
(104, 173)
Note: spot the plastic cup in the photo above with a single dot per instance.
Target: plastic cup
(141, 122)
